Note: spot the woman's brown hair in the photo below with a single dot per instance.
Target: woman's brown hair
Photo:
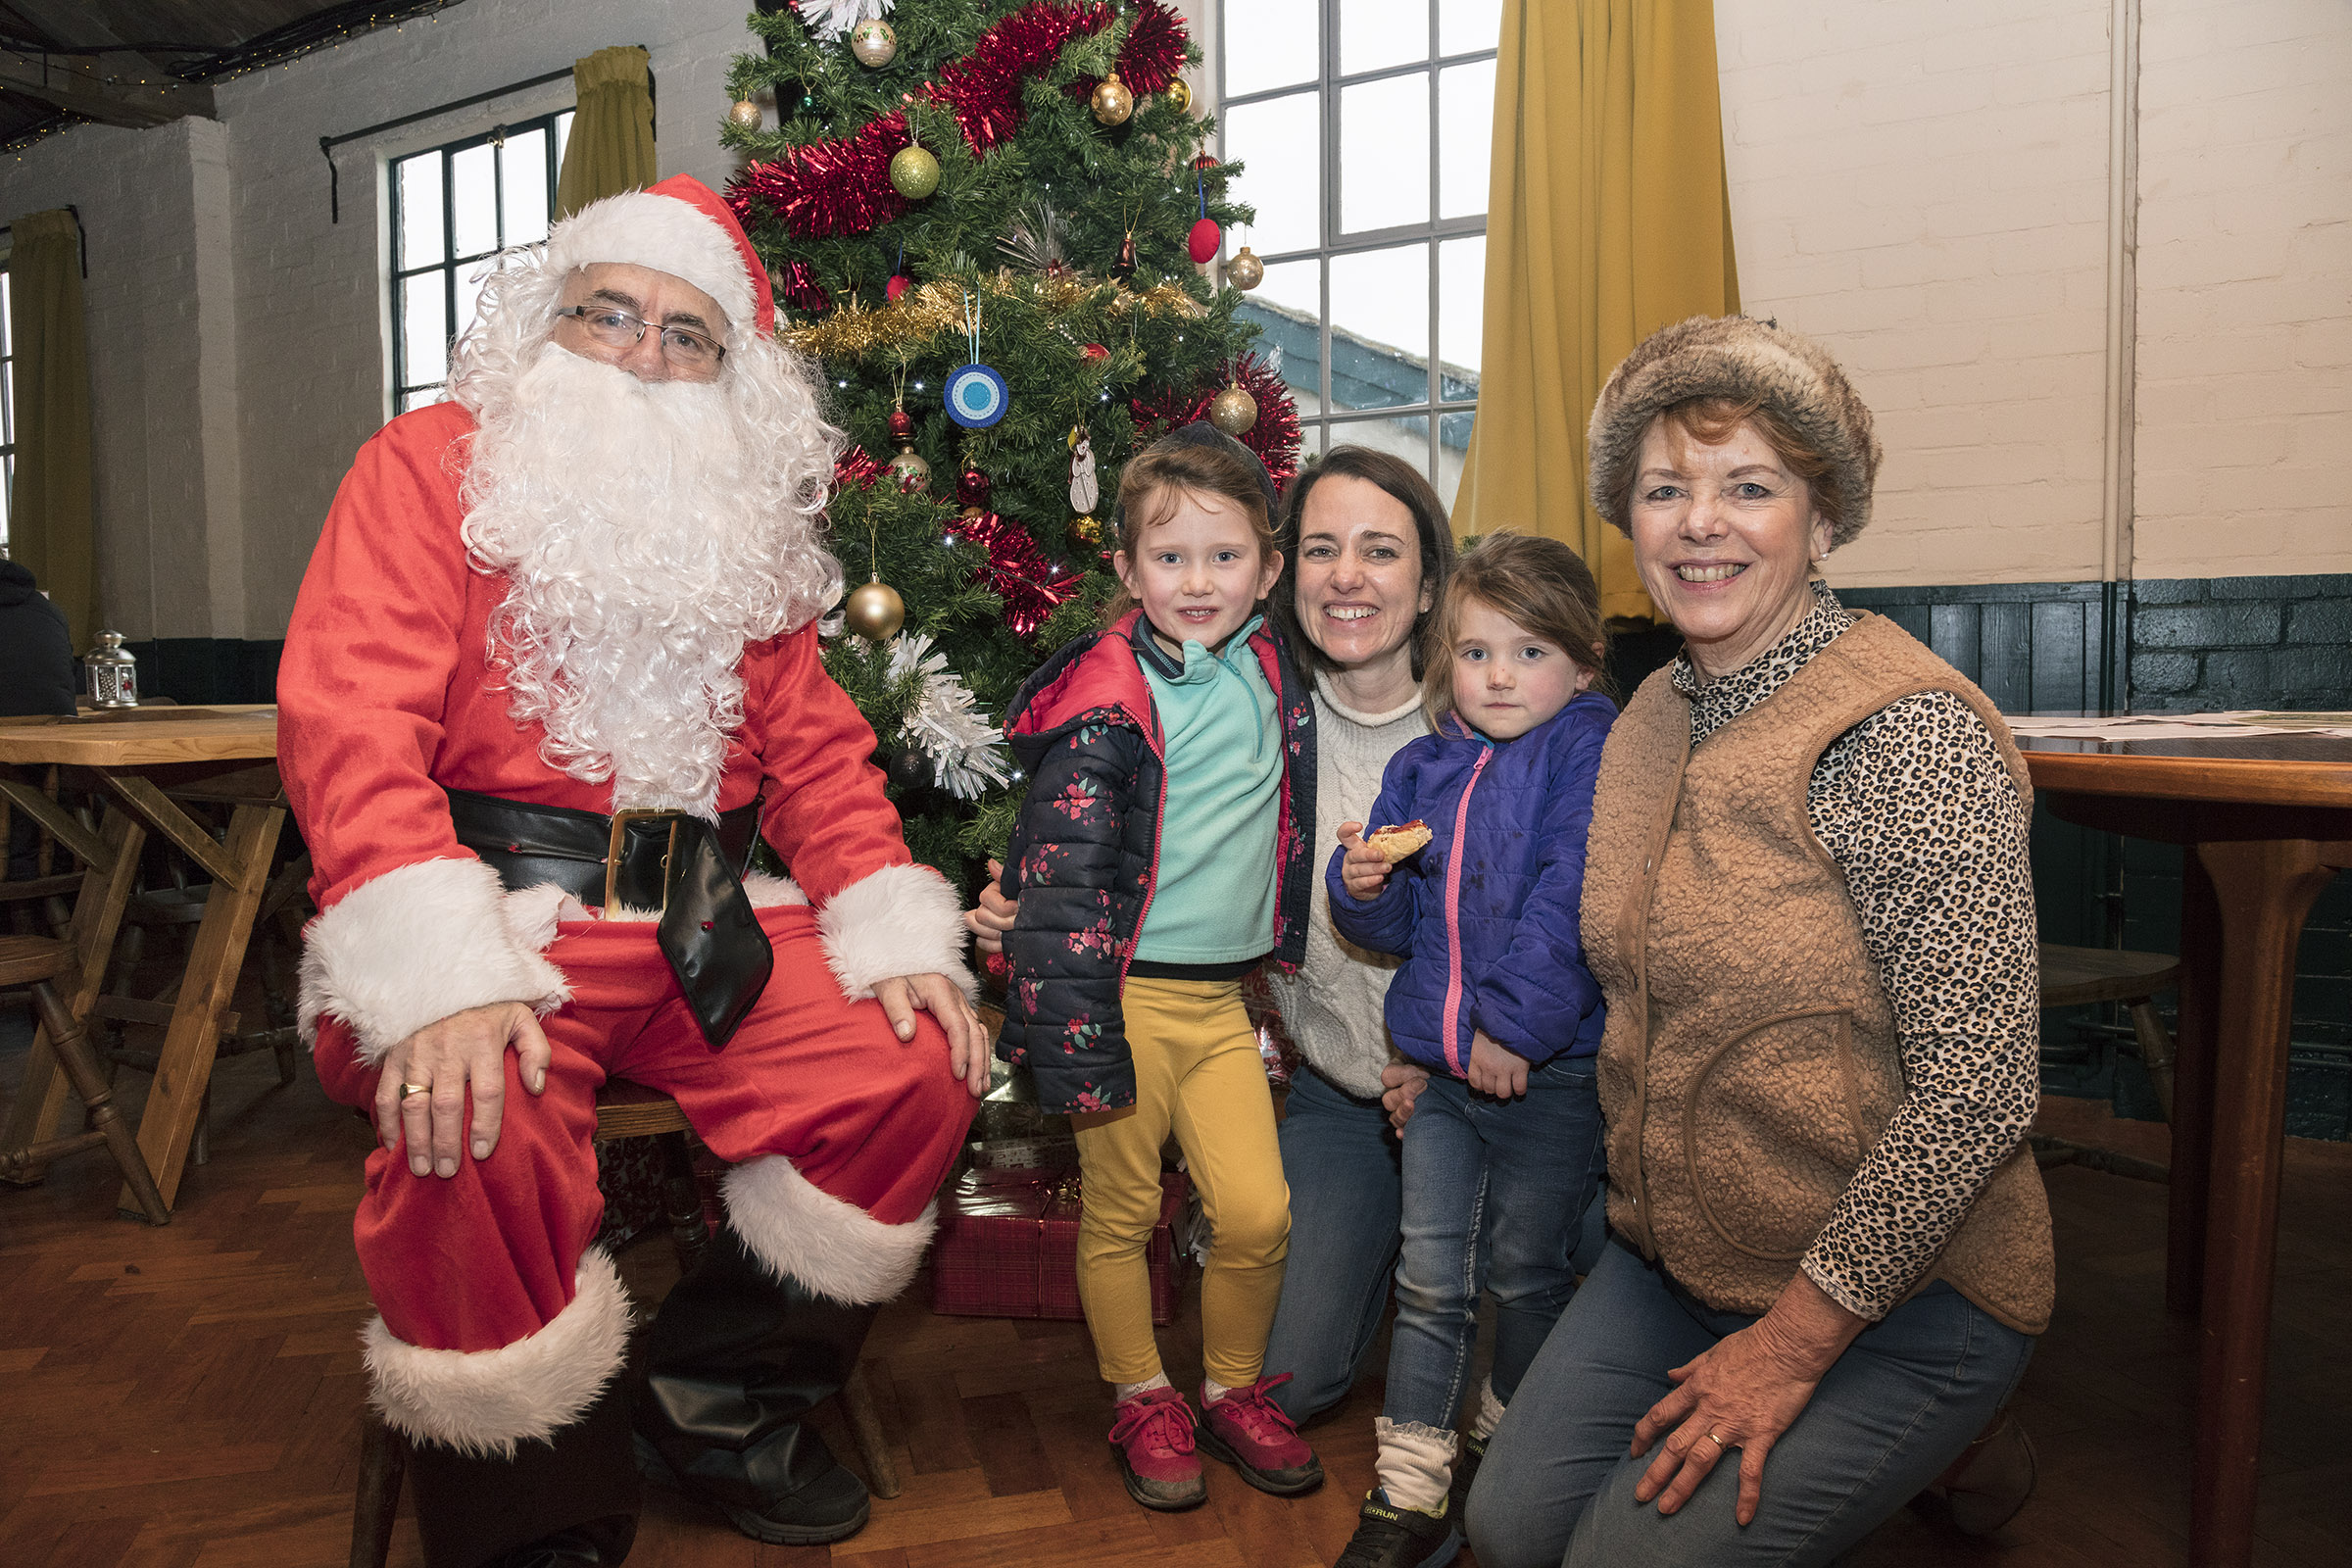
(1156, 480)
(1714, 420)
(1541, 585)
(1404, 484)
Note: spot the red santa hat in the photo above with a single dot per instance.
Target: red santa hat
(680, 227)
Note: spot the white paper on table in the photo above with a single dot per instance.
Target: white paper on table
(2233, 725)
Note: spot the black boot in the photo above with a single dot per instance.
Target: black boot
(734, 1362)
(567, 1503)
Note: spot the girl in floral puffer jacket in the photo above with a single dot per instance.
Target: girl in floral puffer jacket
(1502, 1149)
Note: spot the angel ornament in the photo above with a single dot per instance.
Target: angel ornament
(1085, 488)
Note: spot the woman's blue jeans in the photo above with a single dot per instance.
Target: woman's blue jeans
(1341, 1160)
(1557, 1485)
(1494, 1192)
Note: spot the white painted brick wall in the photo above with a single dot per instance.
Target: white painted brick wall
(2245, 288)
(1923, 187)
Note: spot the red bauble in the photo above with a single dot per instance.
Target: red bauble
(899, 284)
(1204, 162)
(1204, 240)
(972, 488)
(901, 425)
(1096, 350)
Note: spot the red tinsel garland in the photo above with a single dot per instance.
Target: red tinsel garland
(1032, 584)
(1275, 436)
(842, 186)
(855, 467)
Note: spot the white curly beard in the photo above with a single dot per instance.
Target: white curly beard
(648, 532)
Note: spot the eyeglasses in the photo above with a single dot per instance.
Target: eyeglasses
(681, 347)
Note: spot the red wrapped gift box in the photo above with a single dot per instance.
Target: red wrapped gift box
(1009, 1245)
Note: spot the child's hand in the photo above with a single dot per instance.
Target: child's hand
(1365, 871)
(1495, 1070)
(990, 918)
(1401, 1083)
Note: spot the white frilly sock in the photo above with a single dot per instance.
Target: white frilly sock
(1490, 1412)
(1122, 1393)
(1415, 1465)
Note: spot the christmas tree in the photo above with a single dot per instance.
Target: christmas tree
(987, 222)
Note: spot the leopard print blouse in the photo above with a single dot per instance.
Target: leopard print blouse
(1917, 809)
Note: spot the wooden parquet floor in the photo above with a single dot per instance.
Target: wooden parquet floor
(188, 1397)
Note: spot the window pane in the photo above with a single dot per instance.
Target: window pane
(421, 210)
(1384, 154)
(421, 397)
(473, 200)
(1271, 43)
(1465, 26)
(525, 158)
(469, 295)
(1453, 446)
(1405, 436)
(563, 135)
(423, 331)
(1283, 146)
(1288, 311)
(1380, 328)
(1382, 33)
(1465, 137)
(1461, 315)
(8, 404)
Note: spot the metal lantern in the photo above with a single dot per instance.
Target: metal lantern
(114, 673)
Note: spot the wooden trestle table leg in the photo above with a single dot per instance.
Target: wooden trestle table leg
(2193, 1055)
(2262, 890)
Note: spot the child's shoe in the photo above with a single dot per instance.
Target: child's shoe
(1388, 1537)
(1466, 1471)
(1251, 1433)
(1153, 1437)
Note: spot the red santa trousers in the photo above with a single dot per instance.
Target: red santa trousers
(499, 1322)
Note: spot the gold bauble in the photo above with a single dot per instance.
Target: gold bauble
(873, 43)
(1111, 103)
(1180, 93)
(1244, 271)
(913, 172)
(874, 611)
(1233, 411)
(1085, 528)
(910, 471)
(744, 115)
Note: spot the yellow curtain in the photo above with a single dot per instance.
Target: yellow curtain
(1607, 218)
(49, 521)
(612, 145)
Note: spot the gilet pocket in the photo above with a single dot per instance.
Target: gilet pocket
(1772, 1131)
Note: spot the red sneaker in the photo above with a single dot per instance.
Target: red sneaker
(1251, 1433)
(1153, 1437)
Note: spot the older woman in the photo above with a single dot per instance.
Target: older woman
(1366, 551)
(1808, 903)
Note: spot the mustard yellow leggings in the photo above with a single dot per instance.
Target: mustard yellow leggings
(1198, 1072)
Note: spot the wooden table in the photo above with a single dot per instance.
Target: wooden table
(2266, 823)
(146, 761)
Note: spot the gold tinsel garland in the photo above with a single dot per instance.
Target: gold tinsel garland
(936, 308)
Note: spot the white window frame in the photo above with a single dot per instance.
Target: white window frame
(1321, 430)
(8, 405)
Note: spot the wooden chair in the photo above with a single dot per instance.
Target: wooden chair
(624, 1109)
(34, 961)
(2073, 977)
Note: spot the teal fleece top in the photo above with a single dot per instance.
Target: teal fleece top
(1215, 899)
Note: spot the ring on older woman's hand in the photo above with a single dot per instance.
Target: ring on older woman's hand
(405, 1090)
(1720, 1444)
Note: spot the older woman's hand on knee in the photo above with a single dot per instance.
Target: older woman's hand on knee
(1742, 1395)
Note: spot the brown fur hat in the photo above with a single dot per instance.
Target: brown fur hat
(1735, 356)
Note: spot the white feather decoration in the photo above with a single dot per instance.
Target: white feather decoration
(967, 752)
(832, 20)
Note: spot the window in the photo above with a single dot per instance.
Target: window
(8, 411)
(1366, 126)
(453, 209)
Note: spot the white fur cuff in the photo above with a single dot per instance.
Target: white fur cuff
(422, 942)
(903, 919)
(808, 1235)
(483, 1402)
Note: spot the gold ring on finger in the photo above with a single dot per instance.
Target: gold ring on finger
(1718, 1442)
(406, 1090)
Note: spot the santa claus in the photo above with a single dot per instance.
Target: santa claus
(552, 668)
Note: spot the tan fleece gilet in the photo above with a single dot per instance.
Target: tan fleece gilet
(1751, 1059)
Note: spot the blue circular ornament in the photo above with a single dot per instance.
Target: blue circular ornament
(978, 396)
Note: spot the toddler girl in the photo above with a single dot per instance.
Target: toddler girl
(1158, 858)
(1502, 1149)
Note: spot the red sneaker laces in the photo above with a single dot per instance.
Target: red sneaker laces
(1166, 1424)
(1250, 1409)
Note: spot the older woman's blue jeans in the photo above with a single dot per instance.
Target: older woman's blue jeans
(1341, 1160)
(1899, 1406)
(1494, 1195)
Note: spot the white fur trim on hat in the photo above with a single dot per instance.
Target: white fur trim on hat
(483, 1402)
(662, 233)
(806, 1233)
(903, 919)
(422, 942)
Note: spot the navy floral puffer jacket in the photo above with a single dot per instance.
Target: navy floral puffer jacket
(1084, 856)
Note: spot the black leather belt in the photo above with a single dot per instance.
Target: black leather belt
(671, 865)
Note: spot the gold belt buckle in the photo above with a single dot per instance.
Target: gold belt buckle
(620, 828)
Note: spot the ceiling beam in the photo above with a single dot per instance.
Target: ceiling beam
(77, 85)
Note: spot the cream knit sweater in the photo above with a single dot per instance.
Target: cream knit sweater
(1333, 1004)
